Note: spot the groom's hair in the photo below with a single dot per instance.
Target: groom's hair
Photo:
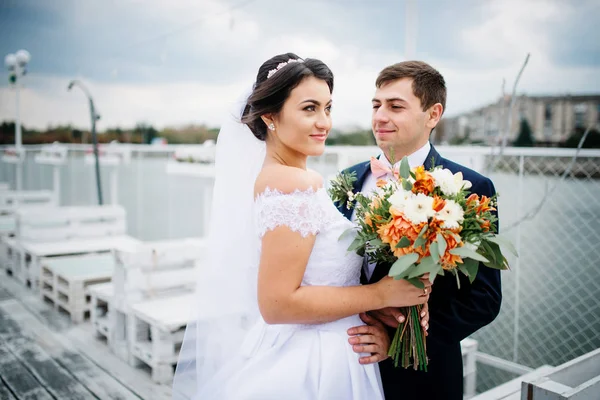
(428, 84)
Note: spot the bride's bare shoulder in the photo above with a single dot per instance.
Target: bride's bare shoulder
(286, 179)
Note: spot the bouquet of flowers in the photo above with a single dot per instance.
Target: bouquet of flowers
(422, 222)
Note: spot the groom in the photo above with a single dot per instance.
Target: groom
(409, 101)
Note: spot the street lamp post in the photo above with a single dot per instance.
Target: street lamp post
(94, 117)
(16, 64)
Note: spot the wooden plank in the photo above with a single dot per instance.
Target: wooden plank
(22, 343)
(18, 379)
(80, 339)
(5, 393)
(5, 294)
(79, 368)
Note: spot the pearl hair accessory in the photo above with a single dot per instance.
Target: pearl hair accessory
(281, 65)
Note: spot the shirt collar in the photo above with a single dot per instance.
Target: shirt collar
(414, 160)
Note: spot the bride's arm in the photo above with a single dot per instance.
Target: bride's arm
(282, 299)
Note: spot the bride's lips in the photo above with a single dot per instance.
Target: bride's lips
(320, 138)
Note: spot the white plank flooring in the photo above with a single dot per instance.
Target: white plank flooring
(44, 356)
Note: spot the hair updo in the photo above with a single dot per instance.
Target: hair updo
(270, 94)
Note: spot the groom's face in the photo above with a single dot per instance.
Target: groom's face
(398, 119)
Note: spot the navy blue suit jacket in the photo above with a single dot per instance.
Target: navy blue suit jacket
(454, 313)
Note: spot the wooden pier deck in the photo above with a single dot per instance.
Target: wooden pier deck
(44, 356)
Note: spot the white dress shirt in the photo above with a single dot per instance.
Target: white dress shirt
(414, 160)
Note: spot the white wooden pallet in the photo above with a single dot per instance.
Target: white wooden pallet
(156, 271)
(65, 231)
(155, 330)
(64, 281)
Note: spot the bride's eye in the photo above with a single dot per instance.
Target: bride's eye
(328, 108)
(309, 108)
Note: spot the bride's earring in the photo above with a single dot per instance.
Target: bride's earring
(272, 126)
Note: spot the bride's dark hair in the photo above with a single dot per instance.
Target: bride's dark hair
(270, 94)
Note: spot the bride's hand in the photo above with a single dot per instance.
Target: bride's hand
(371, 338)
(401, 293)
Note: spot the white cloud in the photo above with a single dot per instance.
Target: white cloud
(225, 47)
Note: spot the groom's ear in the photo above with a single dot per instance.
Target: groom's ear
(434, 114)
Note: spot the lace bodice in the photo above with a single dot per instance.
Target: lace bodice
(311, 212)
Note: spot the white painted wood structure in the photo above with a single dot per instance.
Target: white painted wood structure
(65, 280)
(65, 231)
(143, 312)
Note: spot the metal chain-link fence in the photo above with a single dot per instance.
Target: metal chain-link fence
(551, 298)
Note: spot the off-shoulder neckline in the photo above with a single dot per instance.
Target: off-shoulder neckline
(268, 192)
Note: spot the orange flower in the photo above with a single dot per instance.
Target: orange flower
(484, 205)
(438, 203)
(485, 225)
(381, 183)
(393, 231)
(368, 220)
(424, 182)
(472, 199)
(449, 260)
(375, 203)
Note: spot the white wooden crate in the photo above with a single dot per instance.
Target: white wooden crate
(64, 281)
(66, 231)
(10, 202)
(156, 270)
(155, 330)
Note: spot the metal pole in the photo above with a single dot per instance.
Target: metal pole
(517, 324)
(94, 138)
(510, 108)
(18, 137)
(95, 147)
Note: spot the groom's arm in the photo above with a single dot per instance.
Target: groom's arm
(454, 317)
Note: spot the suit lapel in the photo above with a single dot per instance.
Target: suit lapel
(433, 159)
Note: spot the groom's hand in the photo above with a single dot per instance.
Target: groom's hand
(392, 317)
(371, 338)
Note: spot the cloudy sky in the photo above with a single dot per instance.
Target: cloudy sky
(174, 62)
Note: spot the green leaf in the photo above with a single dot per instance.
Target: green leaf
(466, 252)
(404, 168)
(442, 245)
(375, 242)
(406, 185)
(502, 241)
(404, 242)
(433, 249)
(498, 256)
(419, 242)
(426, 265)
(423, 230)
(489, 252)
(403, 264)
(346, 233)
(441, 271)
(471, 266)
(356, 244)
(417, 282)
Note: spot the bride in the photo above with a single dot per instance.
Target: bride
(277, 311)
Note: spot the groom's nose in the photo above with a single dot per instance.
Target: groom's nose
(380, 115)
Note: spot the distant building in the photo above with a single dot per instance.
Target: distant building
(551, 118)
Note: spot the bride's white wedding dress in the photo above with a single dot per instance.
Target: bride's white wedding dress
(302, 361)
